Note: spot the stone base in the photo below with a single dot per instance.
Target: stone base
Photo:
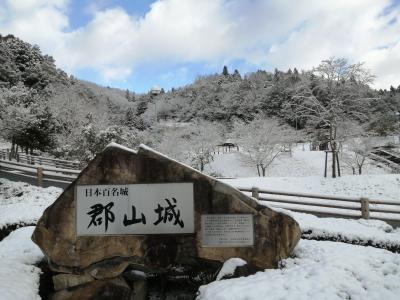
(111, 289)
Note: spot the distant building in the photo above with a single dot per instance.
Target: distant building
(155, 90)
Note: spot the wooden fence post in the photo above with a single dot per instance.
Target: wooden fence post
(364, 208)
(40, 176)
(254, 192)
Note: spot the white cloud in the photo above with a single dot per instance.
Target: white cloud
(279, 33)
(117, 73)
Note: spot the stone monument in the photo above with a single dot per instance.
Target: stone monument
(131, 213)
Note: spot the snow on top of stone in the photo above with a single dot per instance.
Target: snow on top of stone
(115, 145)
(230, 266)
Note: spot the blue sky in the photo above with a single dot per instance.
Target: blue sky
(81, 11)
(137, 44)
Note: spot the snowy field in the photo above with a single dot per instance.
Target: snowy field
(301, 163)
(385, 187)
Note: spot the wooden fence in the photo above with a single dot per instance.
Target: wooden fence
(5, 154)
(38, 168)
(336, 206)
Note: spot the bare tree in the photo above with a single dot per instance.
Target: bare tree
(358, 151)
(203, 140)
(335, 94)
(261, 141)
(193, 144)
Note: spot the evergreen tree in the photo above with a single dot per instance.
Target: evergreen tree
(236, 74)
(392, 91)
(276, 75)
(127, 95)
(225, 71)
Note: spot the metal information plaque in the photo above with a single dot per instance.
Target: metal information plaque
(227, 230)
(162, 208)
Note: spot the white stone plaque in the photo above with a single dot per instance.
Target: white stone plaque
(227, 230)
(162, 208)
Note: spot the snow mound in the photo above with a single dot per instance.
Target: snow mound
(230, 266)
(19, 279)
(374, 232)
(320, 270)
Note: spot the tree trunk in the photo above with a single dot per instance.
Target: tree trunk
(337, 161)
(263, 170)
(258, 170)
(333, 164)
(12, 153)
(332, 136)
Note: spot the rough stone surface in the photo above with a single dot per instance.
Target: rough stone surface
(63, 281)
(139, 290)
(109, 289)
(276, 234)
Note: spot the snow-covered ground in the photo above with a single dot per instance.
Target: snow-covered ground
(300, 164)
(4, 144)
(385, 187)
(23, 203)
(319, 270)
(19, 278)
(374, 232)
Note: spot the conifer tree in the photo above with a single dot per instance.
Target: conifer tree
(225, 71)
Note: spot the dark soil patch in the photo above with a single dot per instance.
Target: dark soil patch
(6, 230)
(46, 287)
(307, 235)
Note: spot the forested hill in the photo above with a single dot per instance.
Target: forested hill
(41, 107)
(228, 97)
(26, 73)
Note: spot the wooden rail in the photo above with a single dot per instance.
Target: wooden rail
(39, 168)
(5, 154)
(338, 206)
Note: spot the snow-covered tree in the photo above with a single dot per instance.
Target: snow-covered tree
(261, 141)
(335, 95)
(358, 149)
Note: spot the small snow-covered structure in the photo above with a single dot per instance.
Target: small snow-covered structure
(155, 90)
